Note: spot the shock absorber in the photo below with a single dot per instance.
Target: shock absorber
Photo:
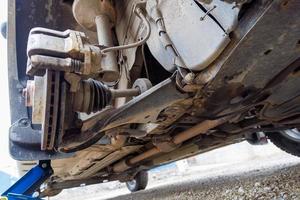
(100, 16)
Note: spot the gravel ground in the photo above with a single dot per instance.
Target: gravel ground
(278, 183)
(261, 172)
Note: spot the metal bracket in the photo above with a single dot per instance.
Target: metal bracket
(67, 51)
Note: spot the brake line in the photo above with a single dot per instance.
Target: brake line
(140, 14)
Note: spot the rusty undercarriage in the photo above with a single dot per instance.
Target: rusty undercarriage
(125, 86)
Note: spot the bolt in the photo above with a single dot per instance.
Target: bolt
(193, 112)
(27, 93)
(44, 165)
(189, 78)
(78, 123)
(197, 102)
(35, 195)
(23, 122)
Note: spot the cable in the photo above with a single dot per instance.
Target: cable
(145, 62)
(140, 14)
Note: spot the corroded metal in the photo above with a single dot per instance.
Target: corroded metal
(100, 16)
(201, 128)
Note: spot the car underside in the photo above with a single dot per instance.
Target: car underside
(107, 89)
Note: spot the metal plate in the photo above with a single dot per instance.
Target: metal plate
(198, 42)
(268, 47)
(266, 44)
(25, 143)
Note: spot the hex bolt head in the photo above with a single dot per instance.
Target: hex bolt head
(35, 195)
(44, 165)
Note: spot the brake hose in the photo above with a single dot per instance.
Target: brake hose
(140, 14)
